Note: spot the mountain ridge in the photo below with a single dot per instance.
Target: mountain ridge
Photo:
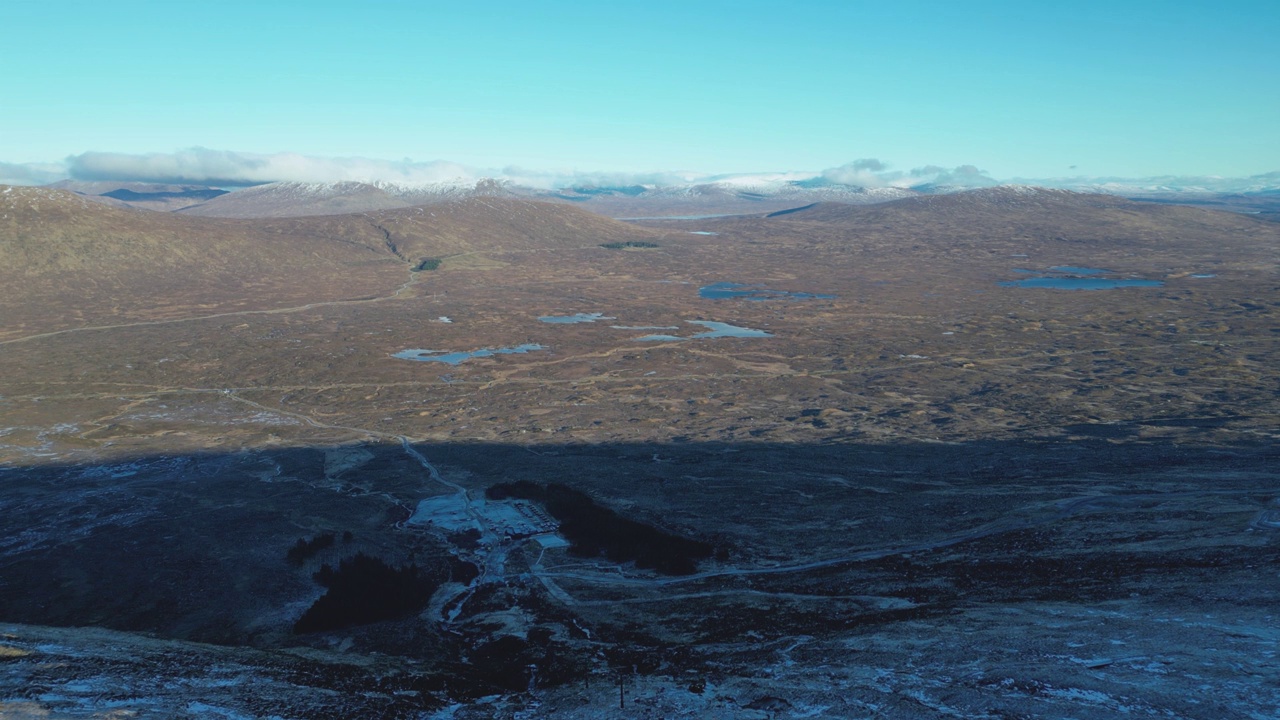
(723, 195)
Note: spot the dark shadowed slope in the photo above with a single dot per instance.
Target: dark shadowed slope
(1112, 570)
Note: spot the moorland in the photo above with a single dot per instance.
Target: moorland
(901, 481)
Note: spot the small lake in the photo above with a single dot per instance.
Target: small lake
(713, 330)
(1080, 283)
(453, 358)
(1076, 277)
(730, 290)
(719, 329)
(573, 319)
(679, 217)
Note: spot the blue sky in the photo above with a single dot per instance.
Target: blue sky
(1024, 89)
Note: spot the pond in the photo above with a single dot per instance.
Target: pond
(678, 217)
(719, 329)
(1080, 283)
(453, 358)
(730, 290)
(713, 330)
(573, 319)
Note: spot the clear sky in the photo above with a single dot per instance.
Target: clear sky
(1032, 89)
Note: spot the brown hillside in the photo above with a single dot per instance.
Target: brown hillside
(1021, 219)
(491, 224)
(1007, 207)
(464, 227)
(66, 261)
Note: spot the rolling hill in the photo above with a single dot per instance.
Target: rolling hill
(67, 261)
(1028, 217)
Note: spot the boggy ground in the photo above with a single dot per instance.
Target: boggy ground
(914, 346)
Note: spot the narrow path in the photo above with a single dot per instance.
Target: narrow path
(431, 469)
(492, 562)
(239, 313)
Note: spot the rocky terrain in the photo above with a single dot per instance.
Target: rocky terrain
(1002, 453)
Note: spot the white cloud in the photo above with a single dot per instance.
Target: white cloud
(223, 167)
(31, 173)
(230, 168)
(1190, 184)
(554, 179)
(965, 176)
(860, 172)
(871, 172)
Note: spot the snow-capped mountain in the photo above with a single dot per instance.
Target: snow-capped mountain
(1170, 185)
(741, 194)
(674, 196)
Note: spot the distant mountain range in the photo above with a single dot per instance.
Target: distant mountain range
(296, 199)
(724, 195)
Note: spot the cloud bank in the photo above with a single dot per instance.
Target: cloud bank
(873, 172)
(31, 173)
(203, 166)
(221, 167)
(225, 168)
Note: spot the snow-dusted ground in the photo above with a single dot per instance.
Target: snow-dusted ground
(1037, 660)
